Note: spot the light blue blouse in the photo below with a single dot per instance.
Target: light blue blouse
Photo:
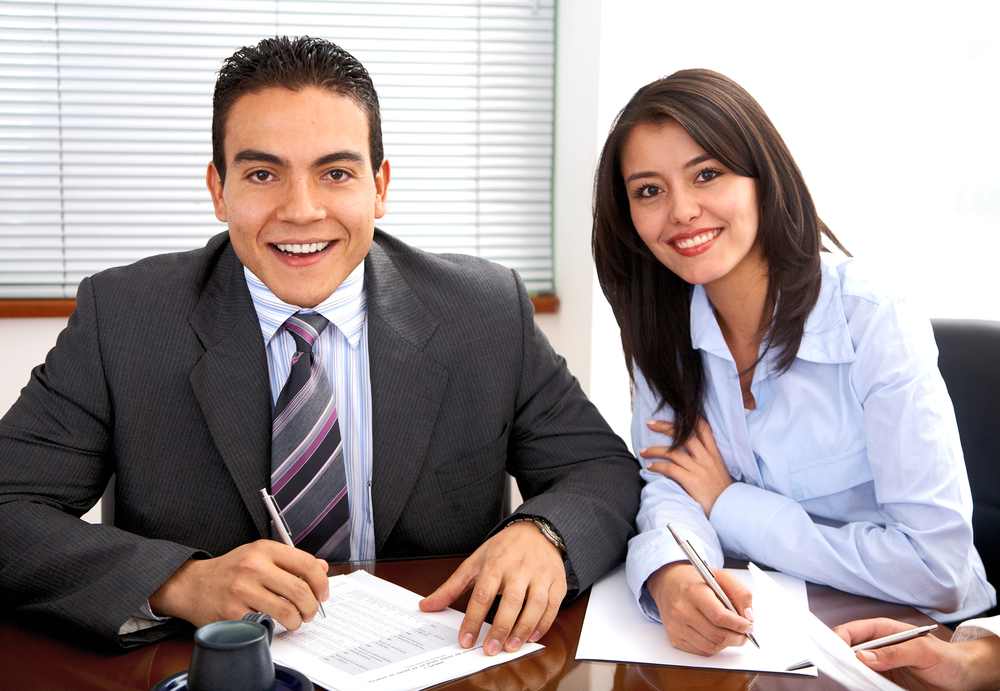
(849, 472)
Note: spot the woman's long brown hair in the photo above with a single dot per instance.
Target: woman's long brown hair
(652, 304)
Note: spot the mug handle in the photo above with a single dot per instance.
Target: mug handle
(265, 620)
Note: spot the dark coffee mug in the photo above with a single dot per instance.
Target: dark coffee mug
(232, 656)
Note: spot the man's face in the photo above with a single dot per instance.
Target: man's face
(299, 195)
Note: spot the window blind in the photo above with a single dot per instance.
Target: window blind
(105, 125)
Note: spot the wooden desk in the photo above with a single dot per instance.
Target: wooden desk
(33, 659)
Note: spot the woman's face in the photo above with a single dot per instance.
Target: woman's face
(698, 217)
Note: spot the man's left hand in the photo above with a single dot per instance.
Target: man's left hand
(522, 565)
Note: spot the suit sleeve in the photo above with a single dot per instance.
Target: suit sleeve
(56, 456)
(574, 471)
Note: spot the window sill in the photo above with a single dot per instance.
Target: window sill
(20, 309)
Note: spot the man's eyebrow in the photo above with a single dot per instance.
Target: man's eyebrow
(254, 156)
(346, 156)
(701, 158)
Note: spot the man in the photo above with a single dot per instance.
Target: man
(436, 381)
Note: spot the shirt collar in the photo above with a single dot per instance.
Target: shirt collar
(826, 338)
(346, 308)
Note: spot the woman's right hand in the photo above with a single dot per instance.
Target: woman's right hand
(695, 620)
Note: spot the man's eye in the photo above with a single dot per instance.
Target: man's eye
(260, 175)
(338, 175)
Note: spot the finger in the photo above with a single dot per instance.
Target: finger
(661, 426)
(557, 593)
(655, 452)
(287, 593)
(480, 602)
(862, 630)
(282, 610)
(503, 622)
(731, 626)
(916, 653)
(739, 594)
(536, 605)
(704, 433)
(301, 564)
(448, 591)
(700, 636)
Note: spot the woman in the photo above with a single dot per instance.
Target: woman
(791, 413)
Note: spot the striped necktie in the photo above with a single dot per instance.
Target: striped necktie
(307, 455)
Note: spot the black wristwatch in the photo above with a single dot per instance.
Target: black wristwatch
(547, 530)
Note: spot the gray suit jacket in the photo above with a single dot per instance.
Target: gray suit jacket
(161, 378)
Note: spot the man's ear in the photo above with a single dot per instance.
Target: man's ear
(214, 183)
(381, 188)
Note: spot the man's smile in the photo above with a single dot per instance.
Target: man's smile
(302, 249)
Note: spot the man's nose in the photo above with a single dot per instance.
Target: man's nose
(302, 203)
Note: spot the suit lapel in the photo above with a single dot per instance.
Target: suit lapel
(407, 388)
(231, 381)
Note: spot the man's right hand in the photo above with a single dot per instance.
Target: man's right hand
(695, 620)
(262, 576)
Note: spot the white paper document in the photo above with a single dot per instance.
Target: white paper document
(614, 629)
(375, 638)
(828, 651)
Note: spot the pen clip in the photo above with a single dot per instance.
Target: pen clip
(276, 513)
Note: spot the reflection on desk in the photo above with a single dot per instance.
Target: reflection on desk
(34, 657)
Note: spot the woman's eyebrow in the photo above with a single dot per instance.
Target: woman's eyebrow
(698, 159)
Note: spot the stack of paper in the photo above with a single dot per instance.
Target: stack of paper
(374, 638)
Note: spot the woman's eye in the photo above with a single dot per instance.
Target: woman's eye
(708, 174)
(647, 191)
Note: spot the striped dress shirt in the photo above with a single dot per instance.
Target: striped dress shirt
(344, 352)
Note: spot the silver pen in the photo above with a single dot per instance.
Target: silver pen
(706, 574)
(891, 639)
(282, 527)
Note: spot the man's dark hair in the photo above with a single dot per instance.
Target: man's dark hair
(650, 302)
(294, 64)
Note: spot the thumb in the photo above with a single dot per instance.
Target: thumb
(892, 657)
(448, 591)
(738, 594)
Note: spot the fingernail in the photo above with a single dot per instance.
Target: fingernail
(868, 655)
(492, 647)
(309, 620)
(535, 636)
(748, 613)
(650, 423)
(467, 640)
(513, 644)
(325, 596)
(641, 451)
(749, 630)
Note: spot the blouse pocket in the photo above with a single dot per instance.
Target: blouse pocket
(831, 475)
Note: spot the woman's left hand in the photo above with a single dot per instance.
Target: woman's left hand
(698, 466)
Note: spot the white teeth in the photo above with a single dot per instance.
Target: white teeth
(304, 249)
(697, 239)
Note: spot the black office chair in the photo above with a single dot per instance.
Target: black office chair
(970, 365)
